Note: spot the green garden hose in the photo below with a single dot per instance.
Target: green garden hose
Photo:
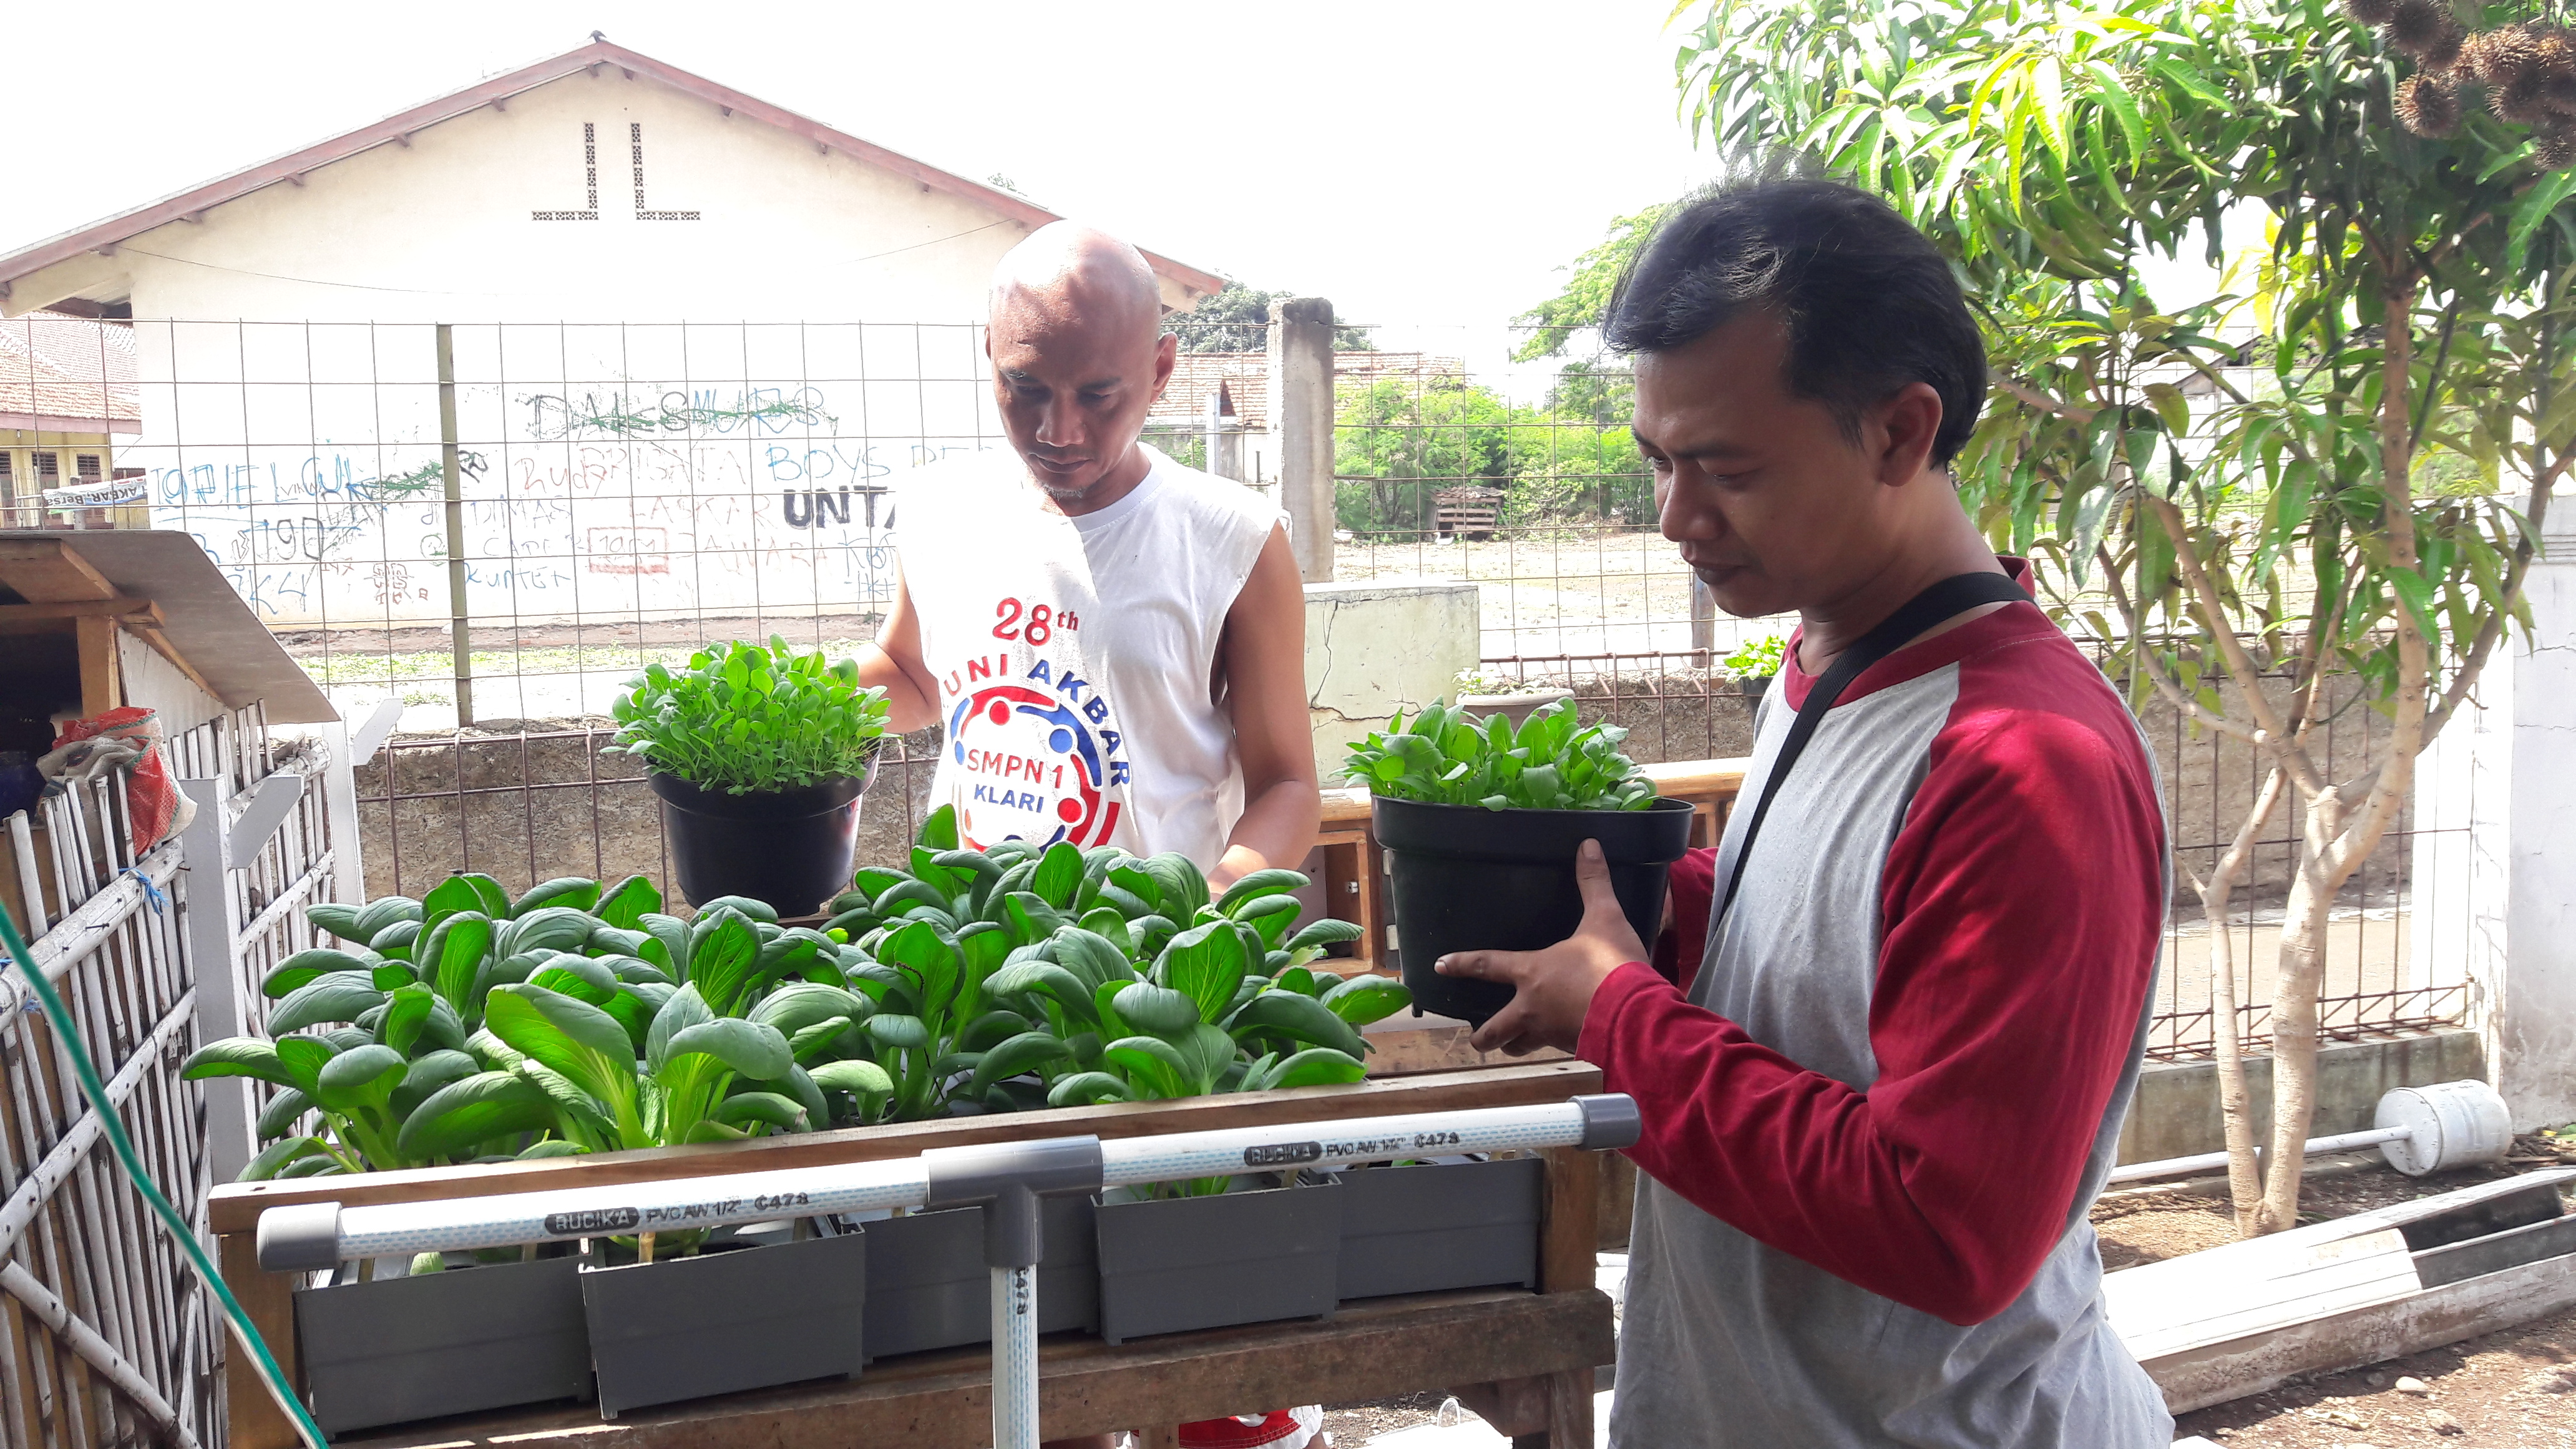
(91, 1087)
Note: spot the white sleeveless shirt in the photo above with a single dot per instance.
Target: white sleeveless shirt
(1074, 656)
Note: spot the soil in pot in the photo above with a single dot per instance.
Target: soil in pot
(456, 1342)
(745, 1318)
(1175, 1264)
(1428, 1228)
(1471, 879)
(928, 1285)
(790, 848)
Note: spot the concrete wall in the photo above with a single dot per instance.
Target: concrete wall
(2176, 1111)
(2500, 910)
(1372, 649)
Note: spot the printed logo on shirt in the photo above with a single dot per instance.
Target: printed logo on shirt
(1038, 754)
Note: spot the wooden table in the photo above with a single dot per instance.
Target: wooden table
(1542, 1346)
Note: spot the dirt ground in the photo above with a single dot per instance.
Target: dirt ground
(2507, 1390)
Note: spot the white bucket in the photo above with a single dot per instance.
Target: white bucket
(2454, 1124)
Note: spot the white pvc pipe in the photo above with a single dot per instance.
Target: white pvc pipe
(1015, 1358)
(2317, 1146)
(1180, 1155)
(673, 1205)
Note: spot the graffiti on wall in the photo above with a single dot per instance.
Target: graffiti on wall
(673, 500)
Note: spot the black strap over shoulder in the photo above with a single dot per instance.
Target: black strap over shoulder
(1943, 601)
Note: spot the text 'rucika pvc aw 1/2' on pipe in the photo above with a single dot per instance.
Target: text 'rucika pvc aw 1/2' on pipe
(1005, 1178)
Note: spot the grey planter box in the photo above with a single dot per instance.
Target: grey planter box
(748, 1318)
(456, 1342)
(1206, 1262)
(1426, 1229)
(928, 1286)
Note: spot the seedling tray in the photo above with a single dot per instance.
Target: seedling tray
(928, 1285)
(456, 1342)
(1430, 1228)
(747, 1318)
(1174, 1264)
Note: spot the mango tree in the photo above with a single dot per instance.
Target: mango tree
(2339, 502)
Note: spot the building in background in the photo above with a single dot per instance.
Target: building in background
(67, 391)
(594, 336)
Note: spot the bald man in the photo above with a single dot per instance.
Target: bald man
(1115, 643)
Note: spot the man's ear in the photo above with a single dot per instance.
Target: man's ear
(1905, 426)
(1167, 352)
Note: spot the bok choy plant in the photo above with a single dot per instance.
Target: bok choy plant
(1444, 756)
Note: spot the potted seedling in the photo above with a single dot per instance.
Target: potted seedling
(1483, 694)
(760, 757)
(366, 1055)
(1110, 978)
(1753, 665)
(1481, 822)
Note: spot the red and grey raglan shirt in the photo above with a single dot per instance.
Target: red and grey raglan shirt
(1880, 1105)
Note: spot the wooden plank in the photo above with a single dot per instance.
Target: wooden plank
(1570, 1223)
(2211, 1297)
(252, 1418)
(102, 675)
(235, 1207)
(2215, 1373)
(1569, 1409)
(44, 571)
(54, 613)
(1370, 1350)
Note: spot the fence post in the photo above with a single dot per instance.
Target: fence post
(206, 905)
(1703, 623)
(1224, 435)
(1301, 410)
(460, 633)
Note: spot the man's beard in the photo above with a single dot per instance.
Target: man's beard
(1065, 495)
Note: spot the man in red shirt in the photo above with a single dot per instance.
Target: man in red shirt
(1880, 1100)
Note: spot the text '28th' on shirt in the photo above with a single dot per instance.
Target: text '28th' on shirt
(1074, 656)
(1882, 1099)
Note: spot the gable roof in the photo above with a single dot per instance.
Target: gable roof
(103, 237)
(68, 374)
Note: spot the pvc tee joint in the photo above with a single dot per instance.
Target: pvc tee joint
(1005, 1179)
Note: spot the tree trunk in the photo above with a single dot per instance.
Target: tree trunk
(2295, 988)
(2244, 1178)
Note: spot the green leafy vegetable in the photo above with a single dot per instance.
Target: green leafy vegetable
(742, 718)
(1443, 756)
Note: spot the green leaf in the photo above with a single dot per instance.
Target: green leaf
(361, 1077)
(1059, 874)
(743, 1109)
(1364, 999)
(407, 1013)
(1082, 1089)
(1025, 1052)
(927, 963)
(939, 829)
(303, 1057)
(472, 1110)
(625, 904)
(453, 954)
(578, 892)
(1151, 1063)
(237, 1056)
(724, 958)
(1263, 883)
(1315, 935)
(427, 1074)
(1301, 1018)
(339, 996)
(1182, 888)
(278, 1154)
(1205, 963)
(583, 1043)
(306, 966)
(895, 1029)
(859, 1078)
(1157, 1010)
(801, 1004)
(279, 1117)
(1317, 1067)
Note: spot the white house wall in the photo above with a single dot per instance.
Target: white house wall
(657, 418)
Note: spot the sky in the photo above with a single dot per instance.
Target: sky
(1427, 167)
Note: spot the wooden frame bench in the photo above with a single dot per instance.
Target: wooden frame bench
(1543, 1346)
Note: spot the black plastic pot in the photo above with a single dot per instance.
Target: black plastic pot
(1471, 879)
(929, 1287)
(1753, 686)
(457, 1342)
(1178, 1264)
(1426, 1229)
(789, 848)
(748, 1318)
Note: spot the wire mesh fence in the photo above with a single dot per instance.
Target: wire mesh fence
(500, 524)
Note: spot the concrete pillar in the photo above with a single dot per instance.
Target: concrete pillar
(206, 904)
(1301, 412)
(2495, 884)
(1224, 436)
